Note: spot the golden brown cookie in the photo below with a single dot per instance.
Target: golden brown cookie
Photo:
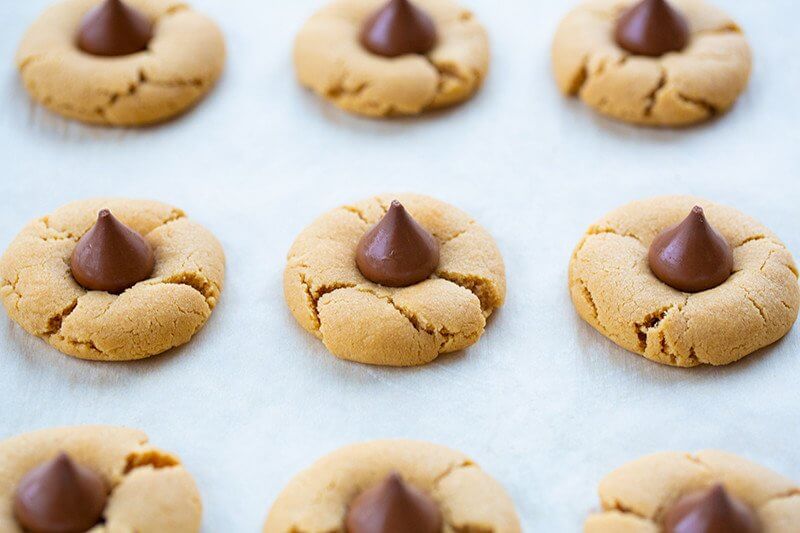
(316, 500)
(369, 323)
(154, 315)
(150, 491)
(636, 497)
(181, 64)
(675, 89)
(614, 290)
(330, 60)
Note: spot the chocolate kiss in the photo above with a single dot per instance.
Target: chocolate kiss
(397, 29)
(652, 28)
(691, 256)
(111, 257)
(114, 29)
(711, 511)
(394, 507)
(397, 252)
(60, 496)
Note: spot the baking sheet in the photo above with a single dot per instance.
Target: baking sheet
(542, 402)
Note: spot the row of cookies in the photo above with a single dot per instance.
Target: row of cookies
(399, 280)
(103, 478)
(135, 62)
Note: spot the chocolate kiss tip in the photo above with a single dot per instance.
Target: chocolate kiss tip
(692, 256)
(711, 511)
(60, 496)
(399, 28)
(111, 257)
(114, 29)
(652, 28)
(394, 507)
(397, 251)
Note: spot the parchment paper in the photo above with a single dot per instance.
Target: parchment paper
(542, 402)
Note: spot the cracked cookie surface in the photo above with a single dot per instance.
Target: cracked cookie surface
(330, 60)
(614, 290)
(182, 63)
(361, 321)
(676, 89)
(636, 496)
(150, 491)
(40, 294)
(316, 500)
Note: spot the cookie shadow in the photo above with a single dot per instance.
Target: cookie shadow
(603, 352)
(385, 125)
(41, 120)
(39, 358)
(655, 134)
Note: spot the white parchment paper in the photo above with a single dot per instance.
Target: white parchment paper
(542, 402)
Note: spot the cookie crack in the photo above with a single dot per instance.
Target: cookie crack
(412, 319)
(481, 287)
(460, 528)
(339, 89)
(60, 235)
(174, 214)
(143, 79)
(207, 288)
(587, 296)
(441, 334)
(10, 287)
(652, 324)
(755, 304)
(652, 98)
(56, 321)
(176, 9)
(90, 345)
(763, 266)
(443, 241)
(752, 238)
(450, 72)
(617, 505)
(28, 61)
(357, 212)
(450, 470)
(314, 297)
(709, 108)
(152, 458)
(599, 230)
(730, 27)
(580, 77)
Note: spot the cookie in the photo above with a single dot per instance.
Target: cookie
(149, 491)
(642, 496)
(614, 289)
(180, 64)
(363, 321)
(318, 499)
(331, 60)
(165, 310)
(701, 80)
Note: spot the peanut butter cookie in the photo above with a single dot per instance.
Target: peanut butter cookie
(159, 308)
(670, 63)
(615, 288)
(675, 492)
(398, 58)
(95, 478)
(417, 486)
(412, 323)
(120, 63)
